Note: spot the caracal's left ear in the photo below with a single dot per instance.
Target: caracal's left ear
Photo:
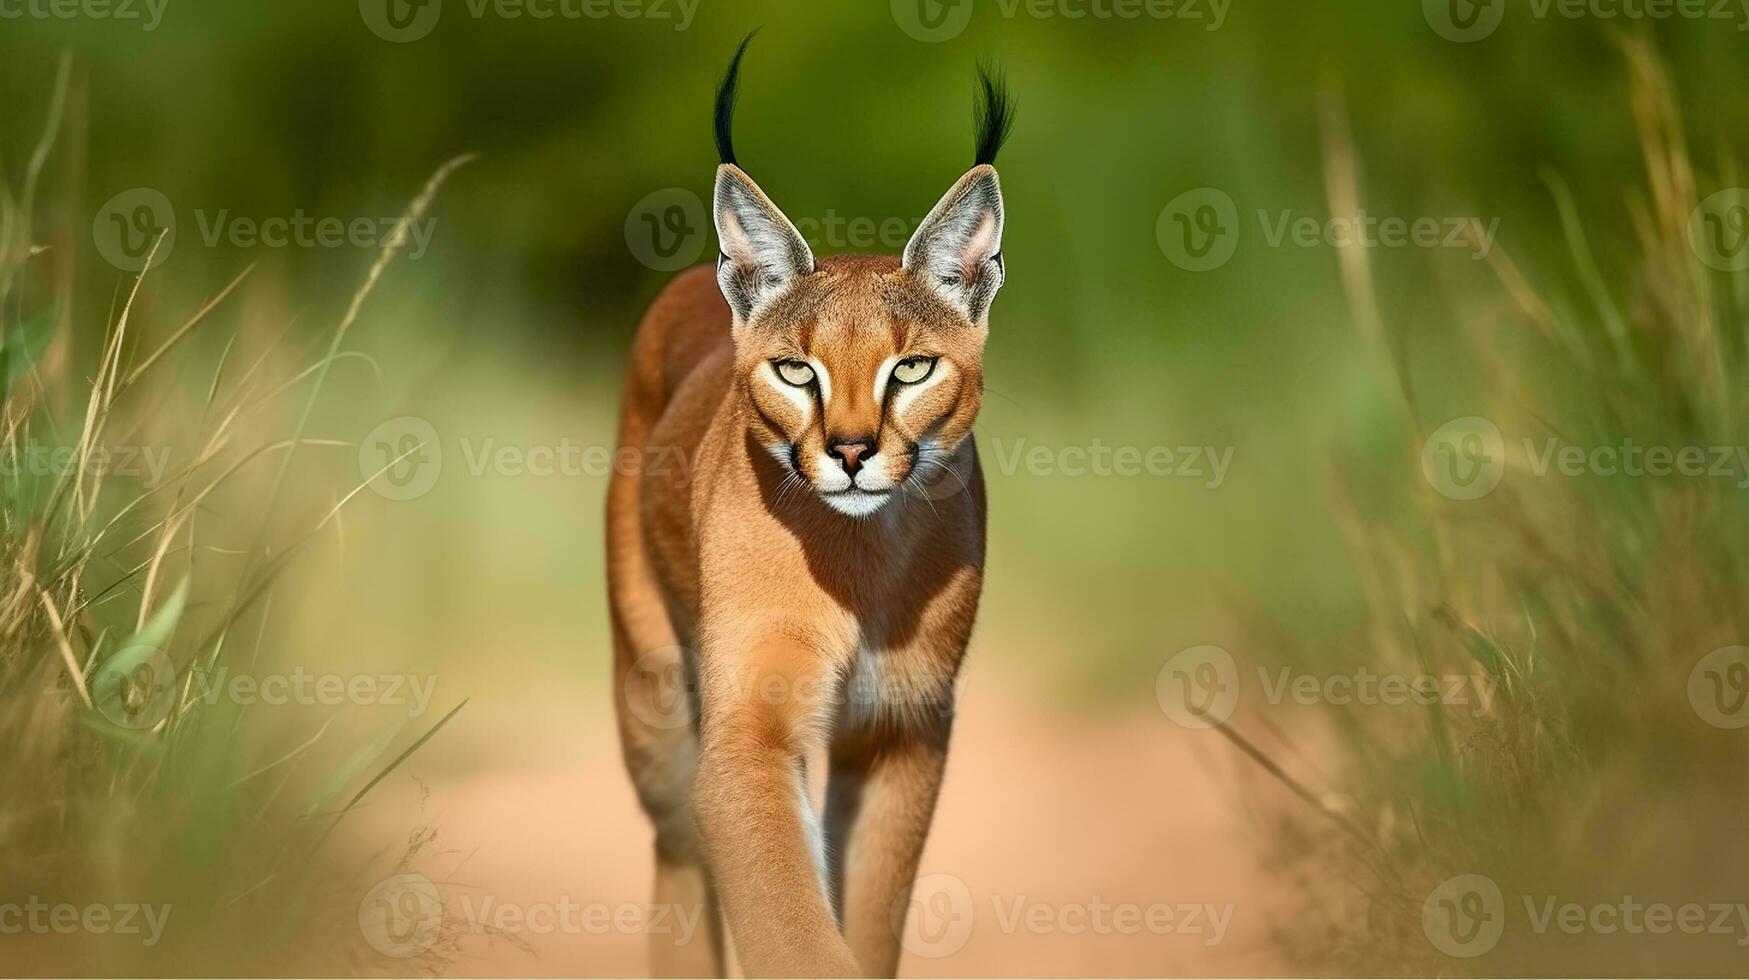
(762, 252)
(957, 250)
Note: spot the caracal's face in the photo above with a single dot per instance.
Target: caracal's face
(862, 382)
(862, 374)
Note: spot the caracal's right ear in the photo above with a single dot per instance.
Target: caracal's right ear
(762, 253)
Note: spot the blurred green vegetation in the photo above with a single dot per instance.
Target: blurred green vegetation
(513, 326)
(265, 110)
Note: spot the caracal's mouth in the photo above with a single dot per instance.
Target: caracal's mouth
(856, 502)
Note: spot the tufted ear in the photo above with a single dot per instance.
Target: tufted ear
(957, 250)
(762, 252)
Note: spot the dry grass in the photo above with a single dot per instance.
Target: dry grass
(123, 783)
(1588, 600)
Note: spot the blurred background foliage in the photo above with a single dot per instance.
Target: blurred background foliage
(513, 326)
(265, 109)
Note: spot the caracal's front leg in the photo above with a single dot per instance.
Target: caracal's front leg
(766, 696)
(888, 755)
(880, 800)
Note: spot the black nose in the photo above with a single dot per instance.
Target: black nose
(851, 452)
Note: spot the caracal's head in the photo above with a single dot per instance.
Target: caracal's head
(861, 373)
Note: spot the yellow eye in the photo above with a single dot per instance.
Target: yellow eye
(795, 373)
(913, 369)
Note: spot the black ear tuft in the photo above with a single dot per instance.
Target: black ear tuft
(725, 111)
(992, 113)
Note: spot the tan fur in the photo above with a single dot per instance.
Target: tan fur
(734, 574)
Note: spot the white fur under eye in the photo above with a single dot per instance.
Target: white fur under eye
(799, 397)
(882, 376)
(823, 378)
(910, 393)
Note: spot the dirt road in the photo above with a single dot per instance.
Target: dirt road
(1062, 846)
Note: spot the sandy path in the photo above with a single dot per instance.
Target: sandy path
(1062, 847)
